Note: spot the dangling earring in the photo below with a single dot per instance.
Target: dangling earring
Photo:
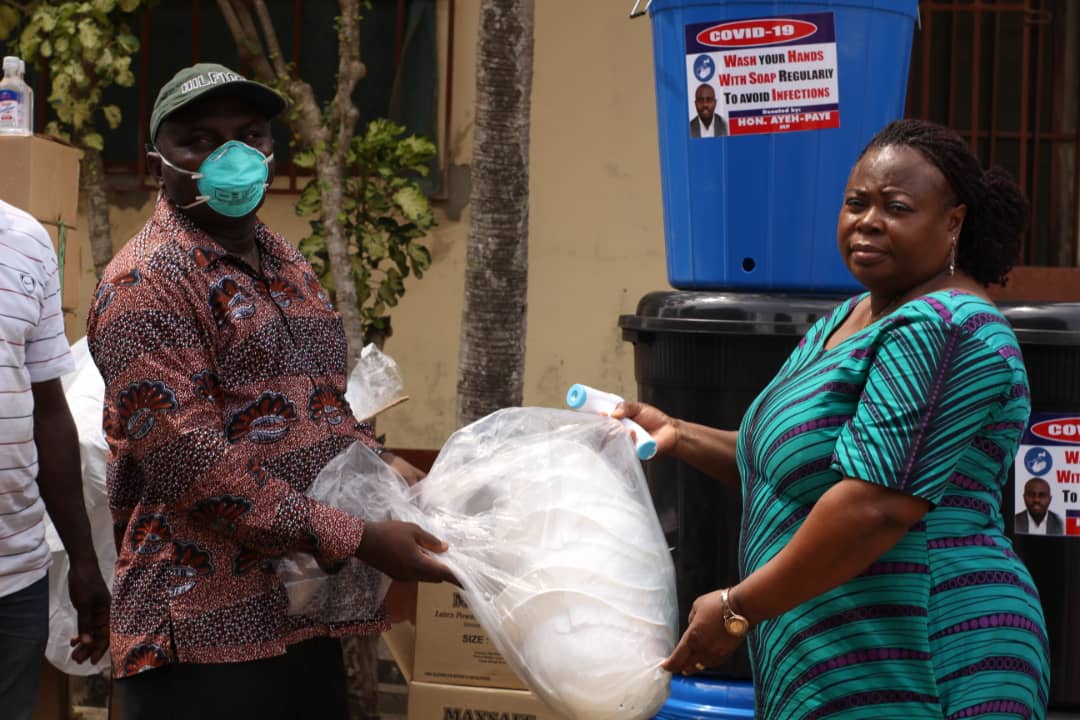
(952, 257)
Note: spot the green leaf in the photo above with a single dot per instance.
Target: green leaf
(80, 113)
(9, 21)
(414, 205)
(129, 5)
(64, 112)
(127, 42)
(105, 6)
(415, 151)
(53, 129)
(312, 246)
(113, 115)
(304, 159)
(420, 256)
(89, 35)
(104, 62)
(310, 200)
(94, 141)
(374, 246)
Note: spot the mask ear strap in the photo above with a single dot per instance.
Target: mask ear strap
(165, 160)
(199, 200)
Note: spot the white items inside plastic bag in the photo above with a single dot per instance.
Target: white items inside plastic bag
(375, 384)
(85, 392)
(356, 590)
(553, 535)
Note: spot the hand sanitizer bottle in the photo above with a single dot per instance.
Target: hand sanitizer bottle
(16, 99)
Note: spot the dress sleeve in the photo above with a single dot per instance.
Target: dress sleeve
(929, 391)
(150, 347)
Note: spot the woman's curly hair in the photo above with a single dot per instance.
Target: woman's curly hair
(997, 211)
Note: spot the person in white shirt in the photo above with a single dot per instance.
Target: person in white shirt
(1037, 519)
(707, 123)
(39, 468)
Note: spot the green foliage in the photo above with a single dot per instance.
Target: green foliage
(383, 216)
(85, 47)
(9, 21)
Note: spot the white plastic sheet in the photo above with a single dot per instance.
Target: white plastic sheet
(85, 392)
(555, 540)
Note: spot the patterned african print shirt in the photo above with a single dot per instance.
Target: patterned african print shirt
(224, 399)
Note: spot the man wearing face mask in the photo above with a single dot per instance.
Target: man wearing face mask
(225, 372)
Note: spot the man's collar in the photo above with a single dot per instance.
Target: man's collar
(193, 238)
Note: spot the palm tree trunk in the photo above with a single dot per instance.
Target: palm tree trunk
(492, 360)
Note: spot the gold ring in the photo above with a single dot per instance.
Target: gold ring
(699, 666)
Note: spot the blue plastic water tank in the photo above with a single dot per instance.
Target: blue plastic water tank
(801, 88)
(701, 699)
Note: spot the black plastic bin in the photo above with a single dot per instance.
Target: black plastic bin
(704, 357)
(1049, 335)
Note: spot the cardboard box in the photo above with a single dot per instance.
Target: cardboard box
(41, 176)
(429, 701)
(437, 701)
(451, 647)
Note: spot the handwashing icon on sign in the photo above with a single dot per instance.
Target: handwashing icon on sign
(1037, 460)
(704, 67)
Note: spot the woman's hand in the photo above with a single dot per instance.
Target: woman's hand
(710, 450)
(706, 643)
(664, 429)
(400, 549)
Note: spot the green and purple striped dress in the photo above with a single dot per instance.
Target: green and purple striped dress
(930, 400)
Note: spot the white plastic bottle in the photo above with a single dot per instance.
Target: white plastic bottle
(16, 99)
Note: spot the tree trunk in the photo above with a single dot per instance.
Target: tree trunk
(361, 653)
(92, 184)
(492, 360)
(330, 173)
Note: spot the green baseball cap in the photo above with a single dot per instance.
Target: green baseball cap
(210, 80)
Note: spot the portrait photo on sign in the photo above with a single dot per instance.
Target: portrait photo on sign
(707, 118)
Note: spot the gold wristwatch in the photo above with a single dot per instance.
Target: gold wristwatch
(734, 623)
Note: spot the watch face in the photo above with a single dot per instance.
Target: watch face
(737, 626)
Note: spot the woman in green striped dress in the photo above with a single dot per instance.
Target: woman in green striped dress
(877, 578)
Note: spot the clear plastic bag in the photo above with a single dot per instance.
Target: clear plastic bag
(360, 483)
(84, 389)
(553, 535)
(375, 384)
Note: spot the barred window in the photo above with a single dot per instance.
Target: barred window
(1006, 75)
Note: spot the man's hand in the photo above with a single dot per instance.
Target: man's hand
(398, 549)
(60, 482)
(90, 596)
